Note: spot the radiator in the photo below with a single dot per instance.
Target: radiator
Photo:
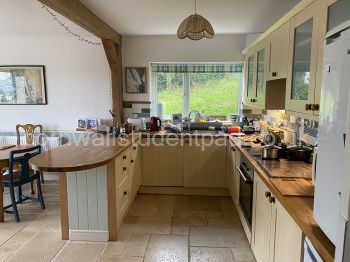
(48, 143)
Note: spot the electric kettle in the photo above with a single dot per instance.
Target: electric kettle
(155, 124)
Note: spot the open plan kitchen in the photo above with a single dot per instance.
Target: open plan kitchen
(186, 131)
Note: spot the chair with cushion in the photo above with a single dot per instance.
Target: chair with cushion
(16, 178)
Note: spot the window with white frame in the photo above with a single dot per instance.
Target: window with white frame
(214, 89)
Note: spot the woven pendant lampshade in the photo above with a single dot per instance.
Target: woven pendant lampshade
(195, 27)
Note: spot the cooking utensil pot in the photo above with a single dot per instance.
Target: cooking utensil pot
(270, 152)
(299, 153)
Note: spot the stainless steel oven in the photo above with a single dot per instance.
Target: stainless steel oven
(246, 190)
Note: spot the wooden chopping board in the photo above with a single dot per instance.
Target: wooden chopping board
(294, 187)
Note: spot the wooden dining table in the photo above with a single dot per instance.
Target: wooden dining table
(4, 162)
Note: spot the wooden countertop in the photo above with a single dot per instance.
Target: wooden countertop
(162, 134)
(76, 156)
(299, 208)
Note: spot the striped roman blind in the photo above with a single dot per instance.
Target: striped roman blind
(197, 68)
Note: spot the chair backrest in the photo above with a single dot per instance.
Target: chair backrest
(21, 158)
(29, 131)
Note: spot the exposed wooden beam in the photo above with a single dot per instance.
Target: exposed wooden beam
(114, 56)
(75, 11)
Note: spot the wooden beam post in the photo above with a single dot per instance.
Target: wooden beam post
(78, 13)
(114, 56)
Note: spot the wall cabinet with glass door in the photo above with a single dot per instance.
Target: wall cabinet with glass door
(250, 69)
(301, 78)
(256, 65)
(259, 93)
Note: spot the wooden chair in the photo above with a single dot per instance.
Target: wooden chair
(29, 131)
(17, 177)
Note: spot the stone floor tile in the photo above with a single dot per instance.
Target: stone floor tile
(145, 205)
(224, 222)
(137, 245)
(121, 259)
(80, 252)
(218, 237)
(43, 247)
(153, 225)
(243, 254)
(206, 254)
(180, 230)
(189, 218)
(214, 214)
(204, 203)
(15, 243)
(163, 248)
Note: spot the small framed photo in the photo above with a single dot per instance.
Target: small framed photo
(82, 123)
(136, 80)
(92, 124)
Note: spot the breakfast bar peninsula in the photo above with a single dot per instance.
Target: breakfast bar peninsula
(98, 179)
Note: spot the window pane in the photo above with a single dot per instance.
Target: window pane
(170, 92)
(214, 93)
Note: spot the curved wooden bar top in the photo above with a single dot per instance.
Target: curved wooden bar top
(72, 157)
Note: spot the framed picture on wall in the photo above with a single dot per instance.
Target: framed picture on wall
(22, 85)
(136, 80)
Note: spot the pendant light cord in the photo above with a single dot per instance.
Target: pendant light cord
(195, 6)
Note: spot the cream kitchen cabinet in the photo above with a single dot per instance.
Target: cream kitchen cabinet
(235, 158)
(288, 237)
(259, 93)
(250, 78)
(128, 180)
(262, 218)
(204, 164)
(271, 225)
(135, 170)
(278, 50)
(302, 88)
(162, 163)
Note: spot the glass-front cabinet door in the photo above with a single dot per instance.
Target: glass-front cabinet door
(250, 78)
(260, 76)
(301, 82)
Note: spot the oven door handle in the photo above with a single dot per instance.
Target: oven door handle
(246, 180)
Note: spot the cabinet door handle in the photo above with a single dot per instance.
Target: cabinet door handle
(308, 107)
(253, 100)
(124, 157)
(272, 200)
(267, 194)
(274, 74)
(132, 161)
(124, 168)
(125, 193)
(233, 149)
(317, 107)
(134, 148)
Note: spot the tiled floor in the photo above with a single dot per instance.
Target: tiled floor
(157, 229)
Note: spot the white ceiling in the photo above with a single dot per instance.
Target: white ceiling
(27, 18)
(162, 17)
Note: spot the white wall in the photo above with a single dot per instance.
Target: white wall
(142, 50)
(77, 77)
